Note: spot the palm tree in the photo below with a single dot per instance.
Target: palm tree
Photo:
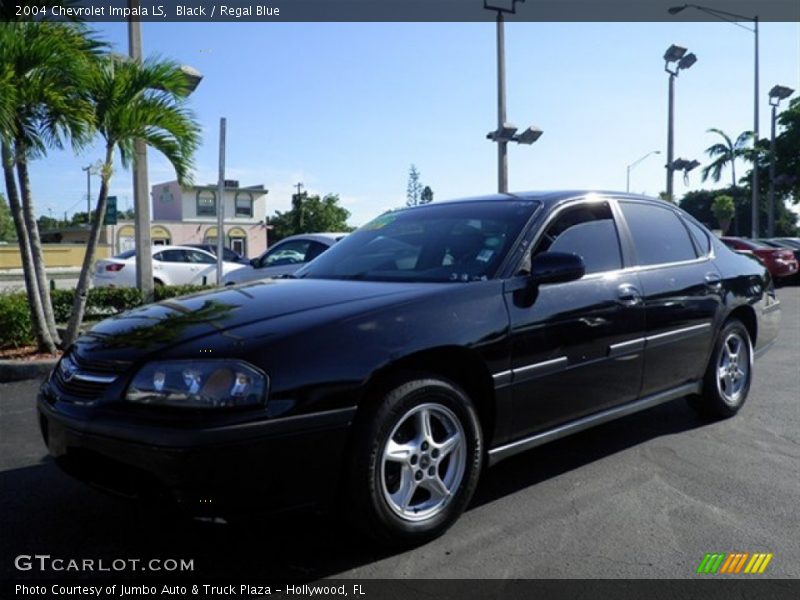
(131, 101)
(42, 67)
(726, 153)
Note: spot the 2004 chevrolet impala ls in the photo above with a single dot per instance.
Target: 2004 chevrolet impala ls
(428, 344)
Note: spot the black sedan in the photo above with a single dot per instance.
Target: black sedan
(431, 343)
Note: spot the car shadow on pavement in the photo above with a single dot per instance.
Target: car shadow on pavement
(43, 511)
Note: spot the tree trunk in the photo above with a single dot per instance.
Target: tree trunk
(35, 242)
(43, 338)
(734, 193)
(87, 270)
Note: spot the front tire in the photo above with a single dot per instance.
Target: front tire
(729, 373)
(416, 462)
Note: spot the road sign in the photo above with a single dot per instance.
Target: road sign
(111, 211)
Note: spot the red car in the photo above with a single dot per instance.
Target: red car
(780, 262)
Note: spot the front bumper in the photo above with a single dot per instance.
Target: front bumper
(260, 467)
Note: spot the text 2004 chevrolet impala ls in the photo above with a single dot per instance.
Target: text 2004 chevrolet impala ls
(427, 344)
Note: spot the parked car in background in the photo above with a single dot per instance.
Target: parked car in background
(228, 255)
(792, 242)
(431, 343)
(787, 244)
(285, 257)
(172, 265)
(780, 262)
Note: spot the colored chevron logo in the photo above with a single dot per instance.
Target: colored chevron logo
(717, 563)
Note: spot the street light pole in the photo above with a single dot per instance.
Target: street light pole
(776, 94)
(141, 191)
(502, 145)
(670, 134)
(754, 201)
(632, 165)
(674, 54)
(734, 18)
(505, 132)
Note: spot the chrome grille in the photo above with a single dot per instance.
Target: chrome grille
(83, 380)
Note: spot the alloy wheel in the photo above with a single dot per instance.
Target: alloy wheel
(733, 368)
(423, 462)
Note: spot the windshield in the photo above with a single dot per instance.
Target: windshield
(126, 254)
(460, 241)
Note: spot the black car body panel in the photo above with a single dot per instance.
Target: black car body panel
(538, 361)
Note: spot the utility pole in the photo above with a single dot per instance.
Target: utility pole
(141, 187)
(221, 201)
(90, 170)
(297, 205)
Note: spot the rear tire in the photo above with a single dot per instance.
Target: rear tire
(415, 463)
(729, 373)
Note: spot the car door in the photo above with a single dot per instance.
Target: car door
(576, 346)
(681, 289)
(202, 267)
(173, 268)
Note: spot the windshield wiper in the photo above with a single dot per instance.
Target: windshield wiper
(354, 276)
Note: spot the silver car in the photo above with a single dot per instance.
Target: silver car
(285, 257)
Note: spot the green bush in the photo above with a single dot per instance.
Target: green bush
(62, 304)
(116, 299)
(163, 292)
(16, 328)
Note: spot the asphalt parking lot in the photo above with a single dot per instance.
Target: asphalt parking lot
(643, 497)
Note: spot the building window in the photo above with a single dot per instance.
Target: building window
(244, 204)
(206, 203)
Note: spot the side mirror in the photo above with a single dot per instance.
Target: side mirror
(556, 267)
(254, 262)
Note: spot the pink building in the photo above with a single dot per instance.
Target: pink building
(188, 215)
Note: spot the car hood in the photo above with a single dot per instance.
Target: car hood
(153, 328)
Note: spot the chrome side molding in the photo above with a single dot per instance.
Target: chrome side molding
(499, 453)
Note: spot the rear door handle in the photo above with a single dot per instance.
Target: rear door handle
(713, 282)
(628, 295)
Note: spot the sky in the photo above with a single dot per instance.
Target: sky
(346, 108)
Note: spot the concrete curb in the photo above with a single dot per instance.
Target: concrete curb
(6, 276)
(18, 370)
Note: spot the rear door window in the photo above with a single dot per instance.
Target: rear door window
(659, 235)
(172, 256)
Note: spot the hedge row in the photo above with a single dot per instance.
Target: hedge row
(16, 328)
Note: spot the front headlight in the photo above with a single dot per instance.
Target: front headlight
(198, 384)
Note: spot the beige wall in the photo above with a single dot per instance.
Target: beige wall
(55, 255)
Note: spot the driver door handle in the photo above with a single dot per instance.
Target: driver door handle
(628, 295)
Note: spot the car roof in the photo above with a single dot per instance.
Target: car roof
(316, 236)
(160, 248)
(547, 198)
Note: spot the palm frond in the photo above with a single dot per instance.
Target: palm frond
(145, 101)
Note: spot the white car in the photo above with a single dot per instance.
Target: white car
(285, 257)
(172, 265)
